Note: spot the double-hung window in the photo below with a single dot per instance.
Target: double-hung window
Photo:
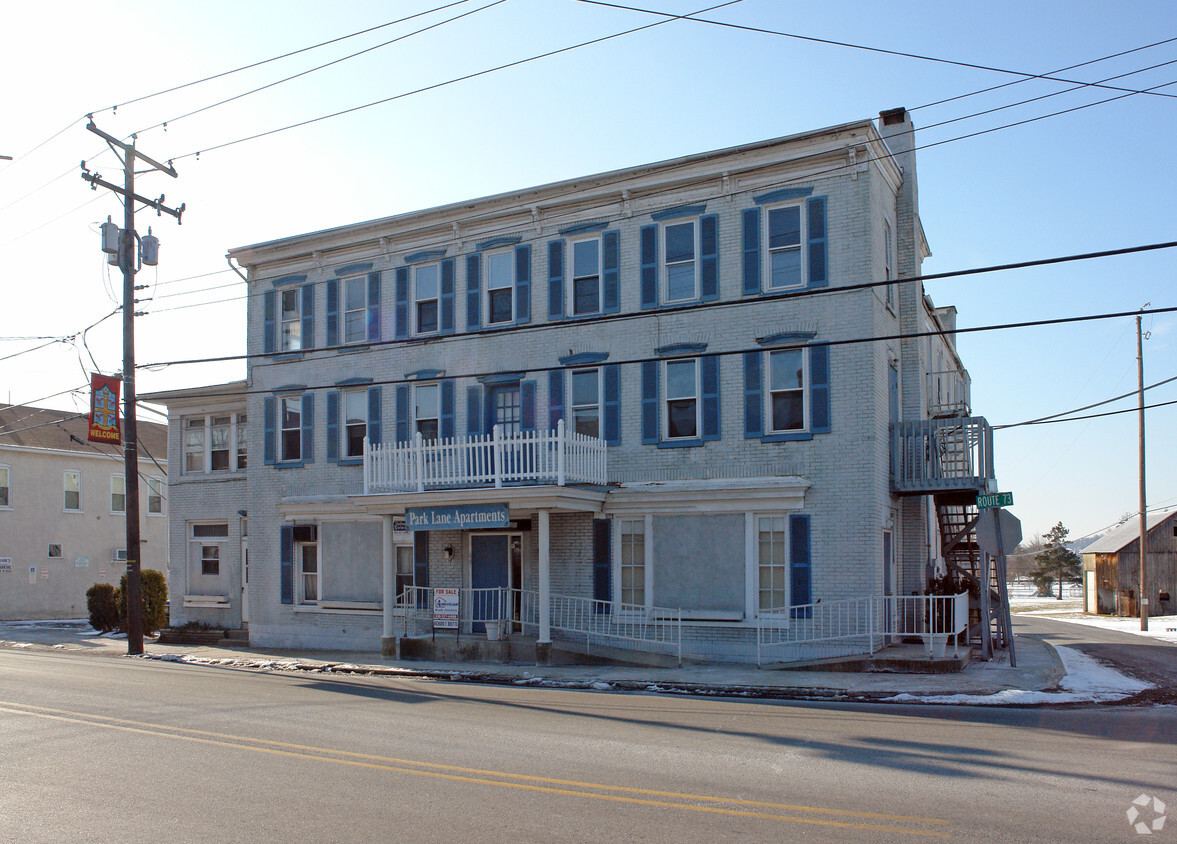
(586, 276)
(155, 496)
(206, 541)
(72, 488)
(214, 443)
(290, 421)
(426, 293)
(242, 435)
(355, 422)
(5, 486)
(773, 563)
(586, 402)
(680, 253)
(355, 309)
(785, 256)
(193, 445)
(682, 399)
(290, 320)
(427, 410)
(118, 494)
(500, 287)
(220, 434)
(633, 561)
(405, 569)
(306, 555)
(786, 390)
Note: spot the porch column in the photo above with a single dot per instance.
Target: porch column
(389, 577)
(545, 581)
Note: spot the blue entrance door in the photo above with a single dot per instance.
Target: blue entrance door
(488, 570)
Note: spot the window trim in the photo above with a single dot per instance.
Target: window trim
(65, 491)
(237, 446)
(281, 430)
(414, 419)
(200, 542)
(785, 563)
(344, 310)
(6, 471)
(157, 483)
(570, 307)
(802, 245)
(118, 476)
(414, 300)
(646, 522)
(301, 573)
(806, 404)
(666, 399)
(360, 394)
(664, 265)
(283, 322)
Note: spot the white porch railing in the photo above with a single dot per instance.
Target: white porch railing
(941, 454)
(583, 620)
(554, 456)
(861, 626)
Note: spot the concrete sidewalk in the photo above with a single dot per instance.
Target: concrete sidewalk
(1039, 669)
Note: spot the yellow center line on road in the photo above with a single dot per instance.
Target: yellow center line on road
(479, 776)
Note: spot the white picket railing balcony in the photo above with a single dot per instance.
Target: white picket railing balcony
(537, 457)
(949, 393)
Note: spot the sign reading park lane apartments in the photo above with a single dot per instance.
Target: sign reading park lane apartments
(457, 517)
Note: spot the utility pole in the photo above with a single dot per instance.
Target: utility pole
(1143, 514)
(128, 259)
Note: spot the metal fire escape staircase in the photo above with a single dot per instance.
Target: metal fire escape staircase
(951, 459)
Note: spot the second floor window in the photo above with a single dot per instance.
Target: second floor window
(219, 436)
(426, 284)
(118, 494)
(586, 402)
(73, 491)
(784, 247)
(5, 486)
(155, 496)
(679, 253)
(355, 422)
(427, 410)
(786, 387)
(290, 320)
(214, 443)
(291, 427)
(500, 287)
(586, 276)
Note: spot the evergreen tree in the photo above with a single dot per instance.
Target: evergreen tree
(1056, 562)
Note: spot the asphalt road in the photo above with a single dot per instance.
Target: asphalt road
(128, 750)
(1142, 657)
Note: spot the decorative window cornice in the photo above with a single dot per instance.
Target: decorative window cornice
(353, 382)
(354, 269)
(497, 242)
(425, 374)
(424, 255)
(673, 349)
(786, 338)
(583, 228)
(583, 358)
(501, 378)
(679, 211)
(289, 279)
(782, 195)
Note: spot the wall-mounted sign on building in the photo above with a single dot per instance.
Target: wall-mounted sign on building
(457, 517)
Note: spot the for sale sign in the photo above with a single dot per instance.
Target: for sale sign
(445, 609)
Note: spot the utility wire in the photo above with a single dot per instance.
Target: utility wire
(1043, 419)
(474, 75)
(833, 43)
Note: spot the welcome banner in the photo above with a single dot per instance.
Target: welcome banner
(104, 410)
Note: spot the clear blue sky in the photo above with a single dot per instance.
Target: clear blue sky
(1096, 178)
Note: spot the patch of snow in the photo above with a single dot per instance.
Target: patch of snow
(601, 686)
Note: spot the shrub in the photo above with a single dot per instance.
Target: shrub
(103, 606)
(154, 589)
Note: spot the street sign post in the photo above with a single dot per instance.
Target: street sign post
(995, 499)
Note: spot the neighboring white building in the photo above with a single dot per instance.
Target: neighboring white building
(63, 511)
(692, 388)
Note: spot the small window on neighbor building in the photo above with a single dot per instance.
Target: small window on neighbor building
(54, 550)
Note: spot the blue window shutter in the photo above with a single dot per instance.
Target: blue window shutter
(374, 416)
(819, 389)
(709, 367)
(270, 328)
(447, 409)
(286, 565)
(269, 414)
(401, 310)
(374, 307)
(613, 404)
(308, 316)
(421, 558)
(402, 413)
(447, 296)
(522, 283)
(555, 397)
(799, 568)
(649, 267)
(308, 427)
(611, 272)
(816, 207)
(333, 426)
(473, 411)
(709, 258)
(602, 575)
(753, 395)
(527, 406)
(751, 251)
(649, 402)
(332, 312)
(473, 292)
(555, 279)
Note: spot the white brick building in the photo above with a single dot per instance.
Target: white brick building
(718, 331)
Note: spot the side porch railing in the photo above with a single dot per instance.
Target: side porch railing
(862, 626)
(935, 455)
(555, 456)
(578, 620)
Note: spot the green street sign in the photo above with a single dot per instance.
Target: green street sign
(995, 499)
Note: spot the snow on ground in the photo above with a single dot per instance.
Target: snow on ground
(1087, 681)
(1163, 627)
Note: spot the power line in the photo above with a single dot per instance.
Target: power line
(443, 84)
(1043, 419)
(1052, 420)
(850, 45)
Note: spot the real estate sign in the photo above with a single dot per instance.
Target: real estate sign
(445, 609)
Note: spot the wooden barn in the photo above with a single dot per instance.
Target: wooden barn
(1111, 568)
